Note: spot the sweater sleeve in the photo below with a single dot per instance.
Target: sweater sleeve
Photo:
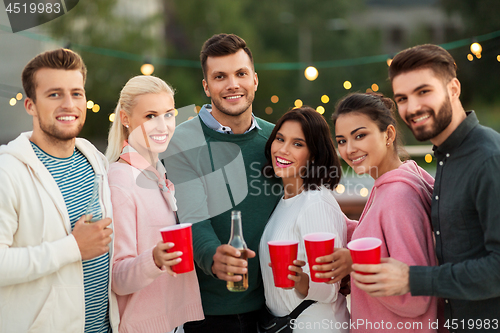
(407, 233)
(321, 217)
(472, 279)
(351, 226)
(24, 264)
(132, 271)
(192, 198)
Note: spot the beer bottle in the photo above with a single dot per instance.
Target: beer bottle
(236, 240)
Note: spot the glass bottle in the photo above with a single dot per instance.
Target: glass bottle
(236, 240)
(94, 211)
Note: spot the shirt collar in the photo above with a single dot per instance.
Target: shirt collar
(458, 135)
(212, 123)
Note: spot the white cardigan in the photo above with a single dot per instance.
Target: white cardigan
(41, 274)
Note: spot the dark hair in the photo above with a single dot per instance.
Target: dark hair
(221, 45)
(323, 168)
(424, 56)
(55, 59)
(378, 108)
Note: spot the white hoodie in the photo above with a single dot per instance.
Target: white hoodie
(41, 274)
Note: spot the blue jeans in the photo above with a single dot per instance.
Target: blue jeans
(237, 323)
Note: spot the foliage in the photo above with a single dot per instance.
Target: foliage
(91, 29)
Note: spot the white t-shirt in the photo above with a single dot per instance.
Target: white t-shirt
(307, 212)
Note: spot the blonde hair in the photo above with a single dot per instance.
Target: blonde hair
(136, 86)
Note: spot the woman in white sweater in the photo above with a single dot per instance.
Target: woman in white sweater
(300, 151)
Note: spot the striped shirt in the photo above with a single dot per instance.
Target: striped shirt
(74, 176)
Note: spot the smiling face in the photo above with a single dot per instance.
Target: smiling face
(231, 84)
(423, 103)
(289, 152)
(151, 123)
(60, 108)
(363, 146)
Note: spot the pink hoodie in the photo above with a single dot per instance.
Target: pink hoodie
(398, 212)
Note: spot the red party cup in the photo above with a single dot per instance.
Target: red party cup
(365, 251)
(181, 236)
(318, 244)
(282, 253)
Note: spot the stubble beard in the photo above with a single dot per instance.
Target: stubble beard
(441, 122)
(55, 135)
(235, 112)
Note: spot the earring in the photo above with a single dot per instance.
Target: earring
(126, 126)
(388, 144)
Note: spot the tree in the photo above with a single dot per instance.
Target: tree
(479, 83)
(107, 39)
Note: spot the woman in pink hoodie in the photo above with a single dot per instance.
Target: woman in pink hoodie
(397, 211)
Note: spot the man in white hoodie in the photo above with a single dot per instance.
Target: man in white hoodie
(54, 267)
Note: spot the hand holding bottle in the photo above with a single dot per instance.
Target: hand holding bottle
(92, 238)
(227, 260)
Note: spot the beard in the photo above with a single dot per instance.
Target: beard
(441, 121)
(235, 111)
(56, 134)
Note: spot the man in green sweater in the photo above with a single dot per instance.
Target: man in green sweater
(215, 162)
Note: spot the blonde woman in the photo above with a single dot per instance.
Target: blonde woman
(151, 297)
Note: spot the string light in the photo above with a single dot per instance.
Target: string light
(12, 101)
(90, 104)
(363, 192)
(260, 66)
(268, 110)
(298, 103)
(340, 189)
(325, 99)
(347, 85)
(320, 109)
(476, 48)
(96, 108)
(311, 73)
(375, 87)
(147, 69)
(470, 57)
(428, 158)
(275, 99)
(112, 117)
(19, 96)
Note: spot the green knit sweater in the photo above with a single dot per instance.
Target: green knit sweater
(215, 173)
